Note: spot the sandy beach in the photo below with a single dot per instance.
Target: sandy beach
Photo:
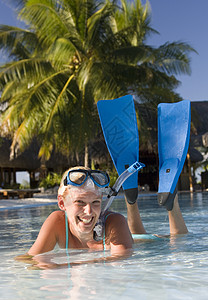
(39, 199)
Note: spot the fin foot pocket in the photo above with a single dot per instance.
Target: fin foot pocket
(131, 195)
(167, 199)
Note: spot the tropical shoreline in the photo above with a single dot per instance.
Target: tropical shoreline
(40, 199)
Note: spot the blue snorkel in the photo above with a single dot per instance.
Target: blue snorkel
(112, 193)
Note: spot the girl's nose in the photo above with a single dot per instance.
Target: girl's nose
(88, 209)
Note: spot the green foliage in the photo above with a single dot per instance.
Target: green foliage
(113, 176)
(73, 53)
(51, 180)
(24, 185)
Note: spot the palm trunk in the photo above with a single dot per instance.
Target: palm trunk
(189, 171)
(86, 157)
(77, 158)
(43, 168)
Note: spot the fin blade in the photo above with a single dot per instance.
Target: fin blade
(119, 125)
(173, 141)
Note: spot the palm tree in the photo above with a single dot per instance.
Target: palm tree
(73, 53)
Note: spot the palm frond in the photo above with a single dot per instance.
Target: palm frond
(35, 12)
(54, 108)
(16, 42)
(173, 58)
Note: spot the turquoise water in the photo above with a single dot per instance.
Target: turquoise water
(175, 268)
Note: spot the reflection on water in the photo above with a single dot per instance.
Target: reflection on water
(171, 268)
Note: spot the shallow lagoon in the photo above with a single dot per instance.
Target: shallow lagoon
(175, 268)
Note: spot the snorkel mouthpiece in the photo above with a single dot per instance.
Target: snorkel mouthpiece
(99, 229)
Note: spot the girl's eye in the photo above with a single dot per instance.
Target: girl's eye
(96, 202)
(80, 202)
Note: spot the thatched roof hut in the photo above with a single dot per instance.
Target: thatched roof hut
(199, 116)
(29, 161)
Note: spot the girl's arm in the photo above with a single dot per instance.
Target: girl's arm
(47, 237)
(119, 235)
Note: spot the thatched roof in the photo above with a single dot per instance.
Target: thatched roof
(199, 134)
(199, 116)
(28, 160)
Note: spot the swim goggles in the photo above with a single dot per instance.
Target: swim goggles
(79, 176)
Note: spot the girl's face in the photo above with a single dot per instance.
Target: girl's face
(83, 210)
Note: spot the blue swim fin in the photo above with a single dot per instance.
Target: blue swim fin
(119, 125)
(174, 121)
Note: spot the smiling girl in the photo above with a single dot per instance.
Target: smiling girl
(79, 200)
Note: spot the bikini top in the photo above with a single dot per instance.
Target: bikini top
(67, 231)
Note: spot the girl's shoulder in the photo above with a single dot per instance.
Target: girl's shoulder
(58, 214)
(56, 217)
(110, 215)
(114, 219)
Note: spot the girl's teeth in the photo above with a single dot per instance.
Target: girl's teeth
(86, 221)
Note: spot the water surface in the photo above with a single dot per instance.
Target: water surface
(175, 268)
